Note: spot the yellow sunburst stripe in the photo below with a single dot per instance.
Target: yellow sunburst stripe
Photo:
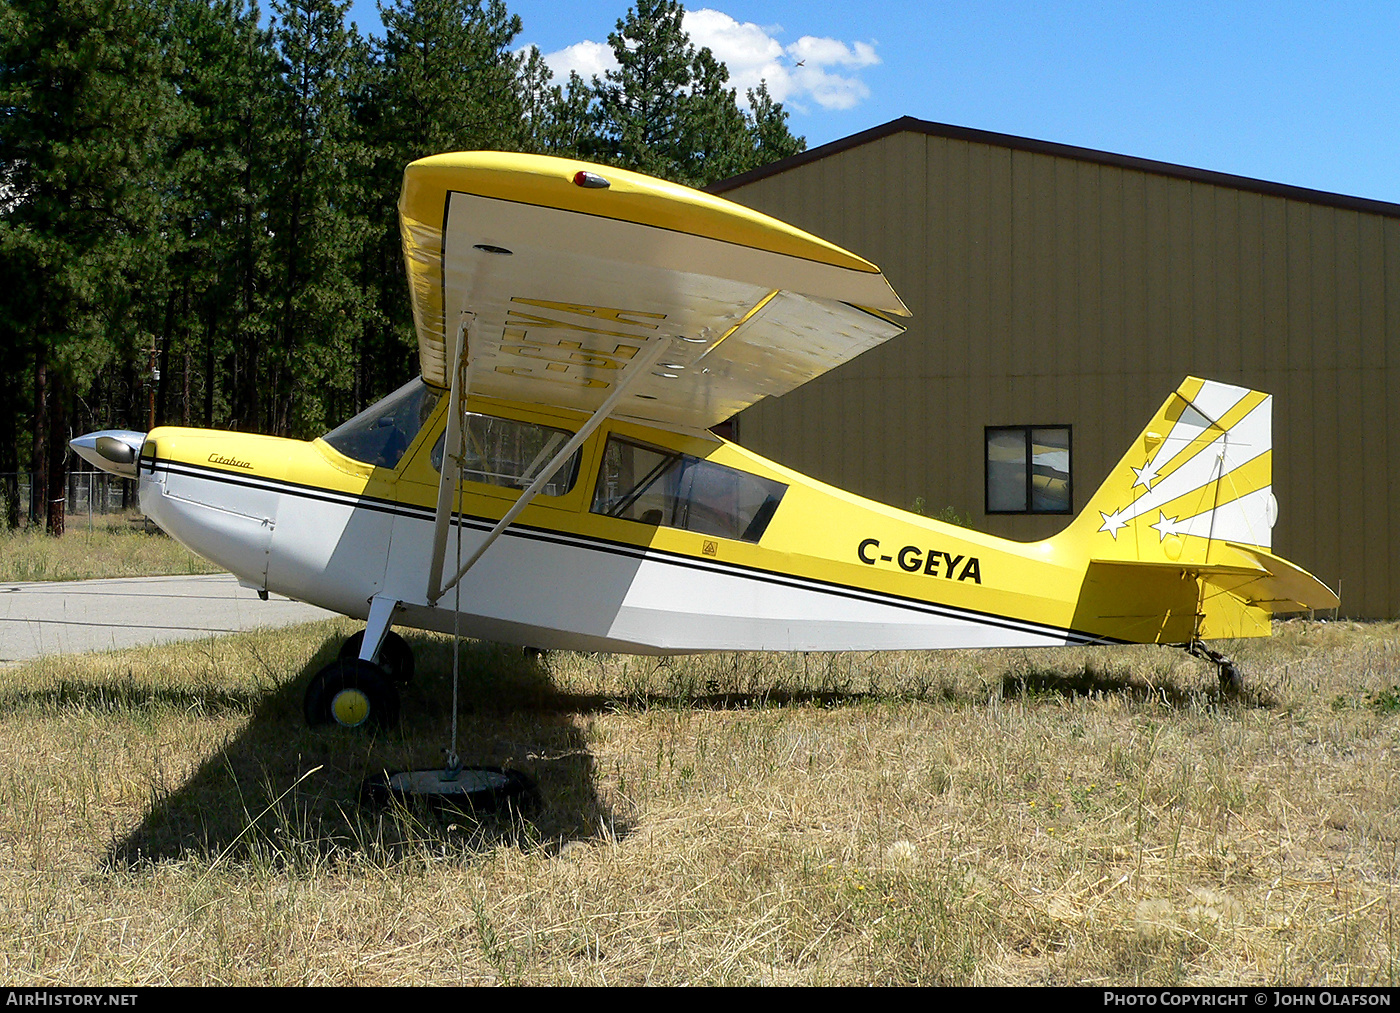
(887, 318)
(1189, 390)
(1241, 408)
(1248, 478)
(1208, 436)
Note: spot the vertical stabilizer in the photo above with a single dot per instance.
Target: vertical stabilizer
(1197, 477)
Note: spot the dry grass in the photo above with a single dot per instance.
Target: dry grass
(117, 545)
(1084, 816)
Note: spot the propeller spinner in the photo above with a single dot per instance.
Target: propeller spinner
(112, 450)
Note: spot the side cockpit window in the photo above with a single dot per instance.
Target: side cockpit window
(381, 433)
(509, 453)
(654, 486)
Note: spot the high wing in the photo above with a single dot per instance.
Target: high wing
(564, 273)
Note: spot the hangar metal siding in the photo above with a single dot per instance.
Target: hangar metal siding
(1053, 287)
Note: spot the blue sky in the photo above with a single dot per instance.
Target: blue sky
(1301, 93)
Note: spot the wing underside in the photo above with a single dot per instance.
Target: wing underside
(562, 287)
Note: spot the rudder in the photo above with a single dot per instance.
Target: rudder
(1198, 476)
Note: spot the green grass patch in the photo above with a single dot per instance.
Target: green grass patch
(115, 546)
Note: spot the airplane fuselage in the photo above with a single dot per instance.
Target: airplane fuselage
(588, 569)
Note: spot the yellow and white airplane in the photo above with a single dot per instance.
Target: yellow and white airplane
(551, 480)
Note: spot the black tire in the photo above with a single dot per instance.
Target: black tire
(353, 694)
(477, 791)
(395, 656)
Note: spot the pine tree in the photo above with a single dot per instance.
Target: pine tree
(566, 124)
(718, 132)
(442, 79)
(86, 111)
(669, 111)
(447, 78)
(642, 105)
(220, 271)
(769, 137)
(317, 231)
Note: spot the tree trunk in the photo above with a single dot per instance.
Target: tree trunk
(39, 451)
(163, 384)
(58, 455)
(9, 462)
(209, 374)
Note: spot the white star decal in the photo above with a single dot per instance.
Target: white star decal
(1112, 523)
(1165, 526)
(1145, 475)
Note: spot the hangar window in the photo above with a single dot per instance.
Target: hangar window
(508, 453)
(1028, 470)
(655, 486)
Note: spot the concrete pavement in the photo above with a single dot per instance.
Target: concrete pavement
(76, 616)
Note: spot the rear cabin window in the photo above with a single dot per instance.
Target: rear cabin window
(382, 432)
(662, 487)
(509, 453)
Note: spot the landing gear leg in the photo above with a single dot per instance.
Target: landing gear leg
(1231, 680)
(379, 644)
(395, 656)
(381, 617)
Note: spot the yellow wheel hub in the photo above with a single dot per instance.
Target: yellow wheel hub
(350, 708)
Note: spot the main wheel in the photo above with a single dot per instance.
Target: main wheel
(353, 694)
(395, 656)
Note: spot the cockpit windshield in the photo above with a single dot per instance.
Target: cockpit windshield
(381, 433)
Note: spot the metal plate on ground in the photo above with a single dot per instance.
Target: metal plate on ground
(471, 790)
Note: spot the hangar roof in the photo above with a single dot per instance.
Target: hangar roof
(912, 124)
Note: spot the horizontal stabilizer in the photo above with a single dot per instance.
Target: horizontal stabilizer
(1282, 587)
(1257, 578)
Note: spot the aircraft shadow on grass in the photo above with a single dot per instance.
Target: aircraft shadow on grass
(1092, 681)
(262, 792)
(279, 789)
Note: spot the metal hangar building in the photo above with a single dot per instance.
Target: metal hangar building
(1059, 294)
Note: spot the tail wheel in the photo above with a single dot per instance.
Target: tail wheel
(395, 656)
(353, 694)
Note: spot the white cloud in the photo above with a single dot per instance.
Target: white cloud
(588, 58)
(830, 51)
(753, 53)
(750, 52)
(831, 91)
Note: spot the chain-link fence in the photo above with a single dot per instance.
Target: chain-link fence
(89, 493)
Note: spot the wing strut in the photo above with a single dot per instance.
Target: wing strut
(462, 361)
(638, 367)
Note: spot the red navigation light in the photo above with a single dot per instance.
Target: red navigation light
(590, 180)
